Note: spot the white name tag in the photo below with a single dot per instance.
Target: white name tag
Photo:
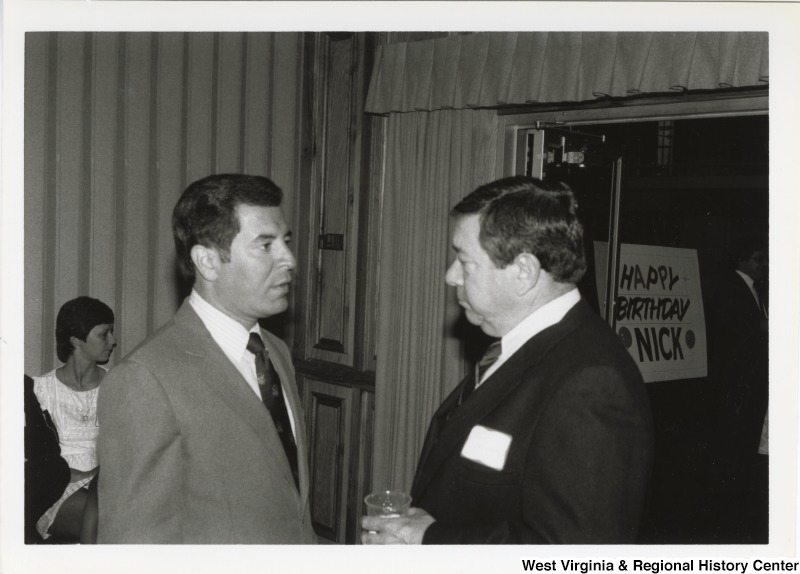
(487, 446)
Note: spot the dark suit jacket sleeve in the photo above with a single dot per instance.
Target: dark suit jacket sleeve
(46, 473)
(585, 473)
(139, 453)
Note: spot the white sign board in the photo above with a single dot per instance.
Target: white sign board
(658, 309)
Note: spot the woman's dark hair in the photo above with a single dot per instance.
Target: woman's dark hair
(206, 213)
(77, 318)
(521, 214)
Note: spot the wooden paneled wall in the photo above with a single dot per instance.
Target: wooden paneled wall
(337, 277)
(116, 126)
(338, 118)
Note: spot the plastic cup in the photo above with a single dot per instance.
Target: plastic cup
(388, 503)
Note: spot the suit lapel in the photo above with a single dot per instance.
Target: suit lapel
(749, 304)
(217, 372)
(438, 422)
(452, 434)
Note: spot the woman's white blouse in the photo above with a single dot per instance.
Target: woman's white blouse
(75, 416)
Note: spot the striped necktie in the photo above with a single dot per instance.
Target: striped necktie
(487, 360)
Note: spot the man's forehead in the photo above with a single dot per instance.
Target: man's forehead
(260, 219)
(466, 230)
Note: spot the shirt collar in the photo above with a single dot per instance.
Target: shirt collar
(548, 314)
(747, 279)
(228, 333)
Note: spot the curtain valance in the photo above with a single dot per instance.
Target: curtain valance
(488, 69)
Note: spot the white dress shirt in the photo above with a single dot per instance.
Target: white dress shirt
(232, 338)
(545, 316)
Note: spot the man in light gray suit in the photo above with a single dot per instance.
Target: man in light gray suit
(202, 437)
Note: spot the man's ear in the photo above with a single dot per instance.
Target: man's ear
(529, 270)
(206, 262)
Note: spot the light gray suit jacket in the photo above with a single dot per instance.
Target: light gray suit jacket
(187, 451)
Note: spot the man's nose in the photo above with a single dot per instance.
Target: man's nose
(288, 258)
(453, 275)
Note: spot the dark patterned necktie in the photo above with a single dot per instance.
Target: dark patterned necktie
(488, 359)
(270, 386)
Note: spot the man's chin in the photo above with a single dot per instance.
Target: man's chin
(276, 307)
(476, 320)
(481, 323)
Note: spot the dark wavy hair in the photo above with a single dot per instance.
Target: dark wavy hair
(206, 213)
(523, 214)
(77, 318)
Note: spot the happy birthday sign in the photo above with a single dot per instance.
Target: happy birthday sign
(658, 309)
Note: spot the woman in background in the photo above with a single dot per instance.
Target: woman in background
(84, 338)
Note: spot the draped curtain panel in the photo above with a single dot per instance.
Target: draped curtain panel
(433, 160)
(116, 126)
(497, 68)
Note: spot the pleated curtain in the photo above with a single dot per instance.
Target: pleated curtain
(498, 68)
(435, 159)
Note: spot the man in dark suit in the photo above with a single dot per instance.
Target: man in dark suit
(739, 370)
(740, 343)
(549, 441)
(202, 437)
